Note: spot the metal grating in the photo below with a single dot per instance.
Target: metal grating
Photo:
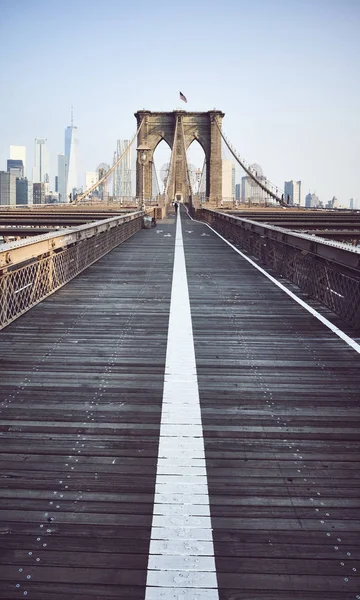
(23, 287)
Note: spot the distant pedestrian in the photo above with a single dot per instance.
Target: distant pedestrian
(176, 206)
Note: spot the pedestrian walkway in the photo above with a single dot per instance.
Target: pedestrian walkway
(174, 426)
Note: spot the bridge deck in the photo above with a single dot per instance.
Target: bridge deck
(82, 379)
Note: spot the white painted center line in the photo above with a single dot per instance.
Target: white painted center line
(181, 559)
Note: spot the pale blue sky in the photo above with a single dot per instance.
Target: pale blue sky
(285, 72)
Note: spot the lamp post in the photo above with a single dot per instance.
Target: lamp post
(143, 157)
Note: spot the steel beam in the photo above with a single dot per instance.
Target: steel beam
(339, 252)
(15, 253)
(24, 231)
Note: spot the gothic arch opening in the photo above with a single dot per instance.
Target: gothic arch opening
(161, 160)
(195, 156)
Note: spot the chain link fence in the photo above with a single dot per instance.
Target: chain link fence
(25, 285)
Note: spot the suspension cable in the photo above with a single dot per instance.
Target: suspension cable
(201, 182)
(111, 170)
(249, 173)
(155, 180)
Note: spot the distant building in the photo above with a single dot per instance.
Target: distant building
(198, 175)
(7, 189)
(228, 180)
(91, 177)
(41, 161)
(71, 142)
(19, 153)
(51, 197)
(122, 173)
(333, 203)
(238, 192)
(62, 176)
(39, 193)
(56, 183)
(292, 192)
(250, 191)
(353, 204)
(15, 166)
(24, 191)
(312, 201)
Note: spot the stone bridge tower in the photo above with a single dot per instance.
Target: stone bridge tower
(187, 127)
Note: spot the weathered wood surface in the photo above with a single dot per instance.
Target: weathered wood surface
(81, 390)
(280, 399)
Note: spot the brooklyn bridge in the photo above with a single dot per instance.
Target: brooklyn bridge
(180, 388)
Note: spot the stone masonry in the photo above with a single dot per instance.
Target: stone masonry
(187, 126)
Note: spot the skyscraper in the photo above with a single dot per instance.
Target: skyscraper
(292, 192)
(70, 155)
(250, 191)
(62, 176)
(7, 189)
(39, 193)
(24, 191)
(311, 201)
(91, 177)
(15, 166)
(122, 174)
(18, 153)
(228, 180)
(41, 162)
(353, 204)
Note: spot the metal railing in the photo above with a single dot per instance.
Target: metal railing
(327, 270)
(32, 270)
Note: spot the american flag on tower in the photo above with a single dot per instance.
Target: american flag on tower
(182, 97)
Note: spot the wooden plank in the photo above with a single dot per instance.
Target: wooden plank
(280, 406)
(82, 378)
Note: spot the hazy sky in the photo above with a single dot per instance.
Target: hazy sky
(285, 72)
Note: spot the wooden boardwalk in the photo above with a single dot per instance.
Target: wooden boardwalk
(81, 393)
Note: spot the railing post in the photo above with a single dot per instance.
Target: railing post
(50, 271)
(3, 296)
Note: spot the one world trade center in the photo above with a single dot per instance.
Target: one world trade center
(71, 142)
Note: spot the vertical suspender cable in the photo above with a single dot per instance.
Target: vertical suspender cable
(247, 170)
(108, 173)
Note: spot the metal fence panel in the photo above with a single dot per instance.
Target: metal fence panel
(24, 286)
(330, 281)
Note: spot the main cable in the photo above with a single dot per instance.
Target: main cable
(248, 171)
(111, 170)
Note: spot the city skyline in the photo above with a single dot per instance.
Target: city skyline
(61, 173)
(290, 103)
